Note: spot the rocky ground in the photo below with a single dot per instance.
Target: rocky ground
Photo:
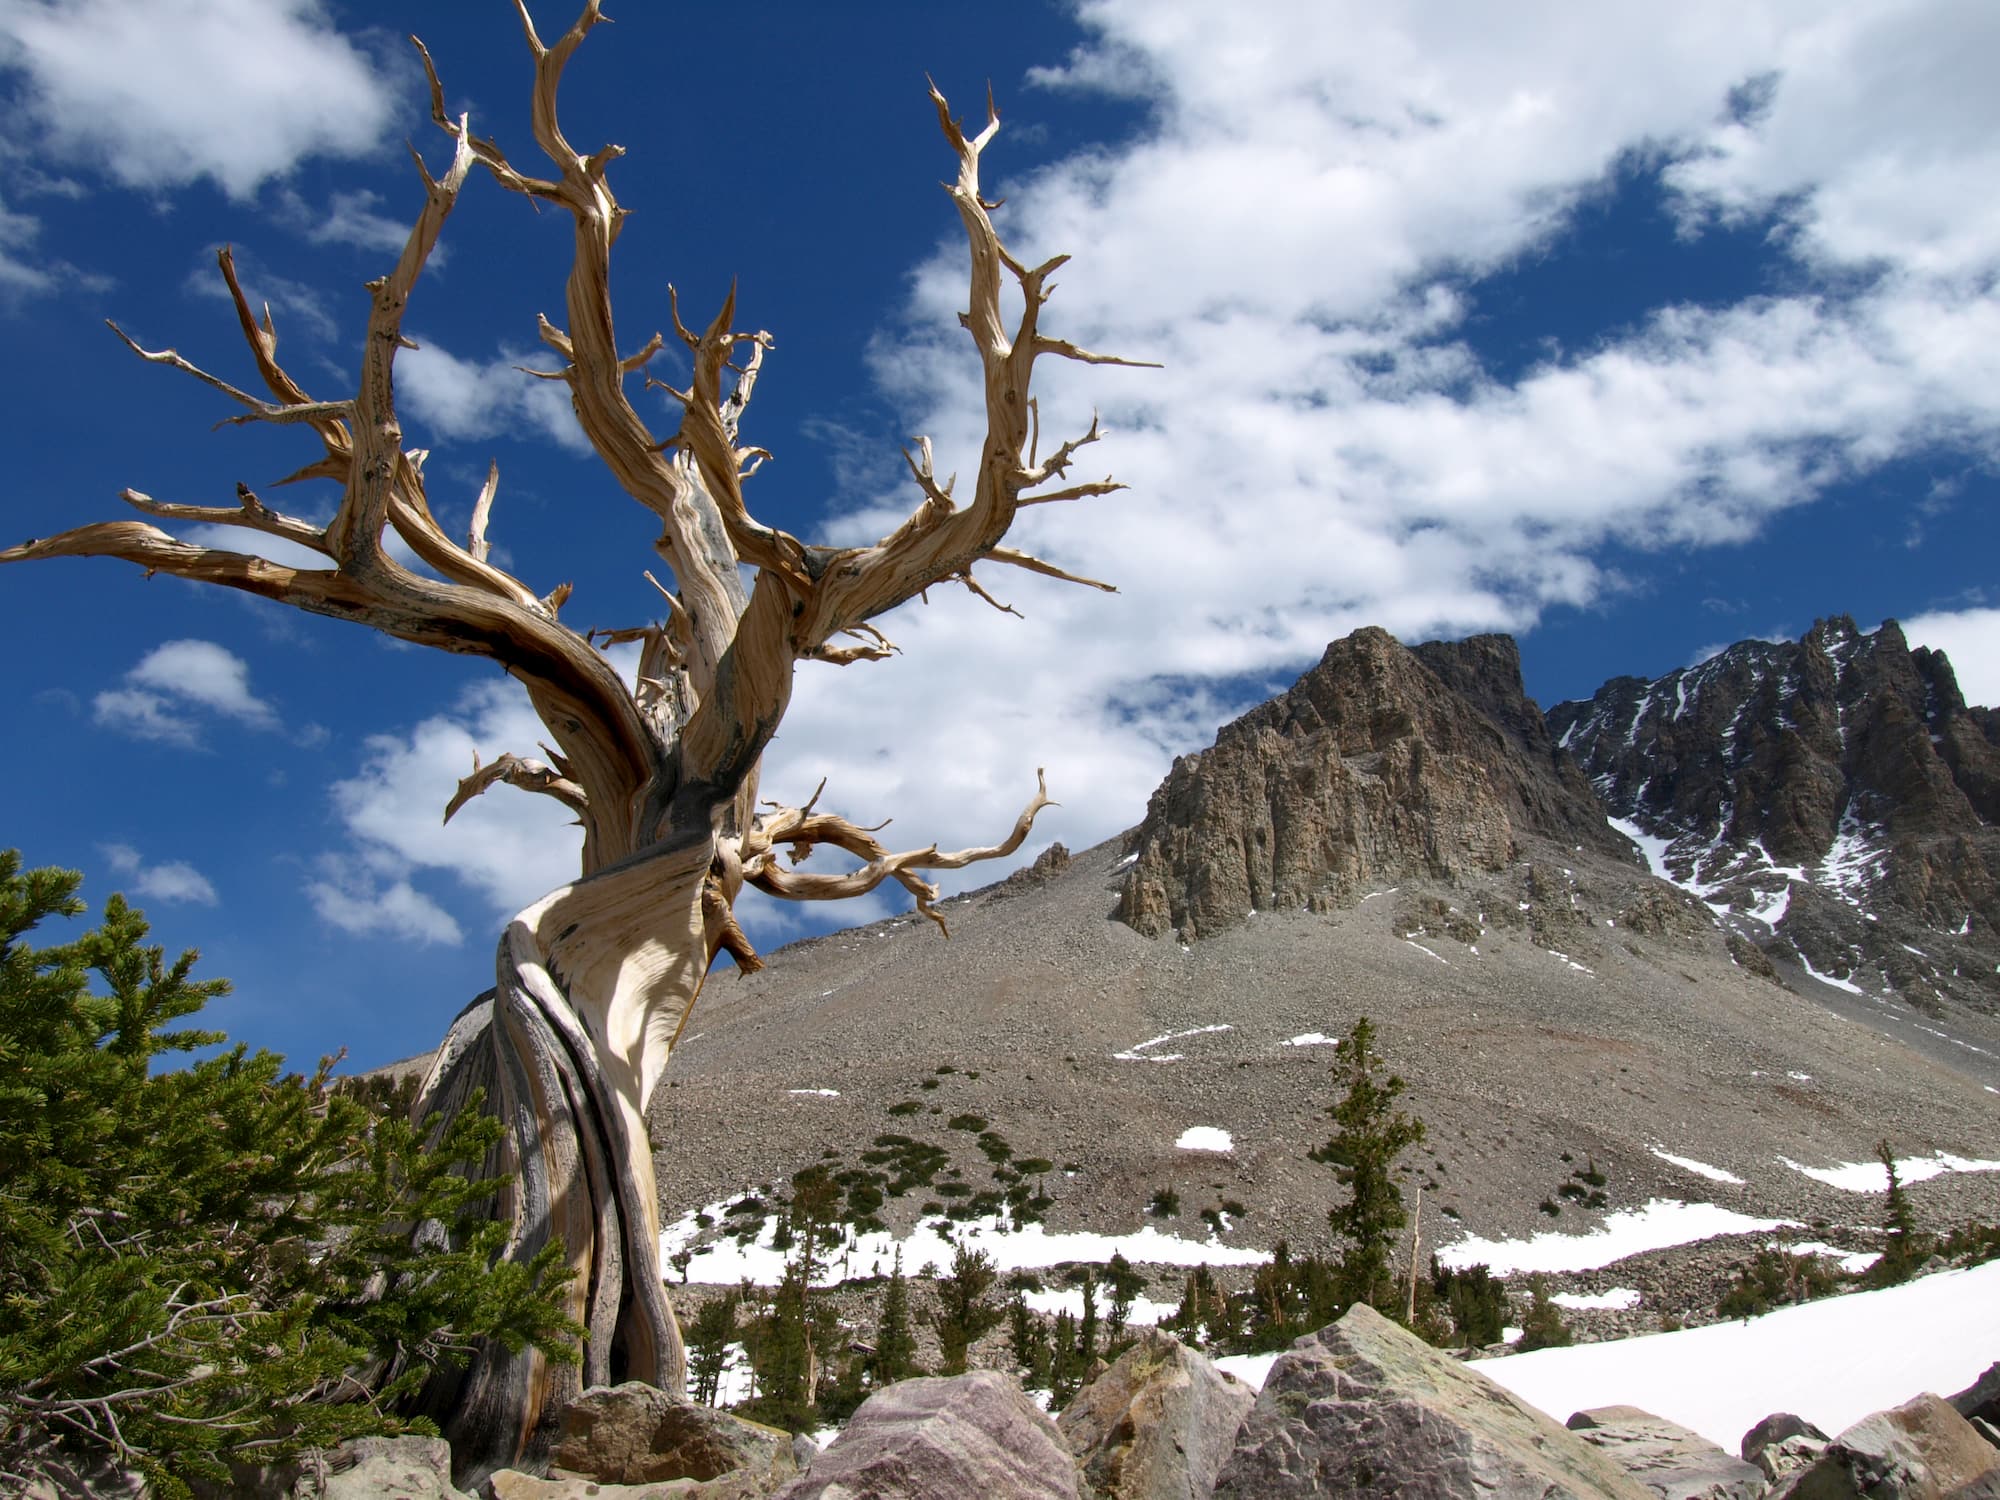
(1563, 1011)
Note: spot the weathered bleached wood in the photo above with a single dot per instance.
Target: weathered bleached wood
(595, 981)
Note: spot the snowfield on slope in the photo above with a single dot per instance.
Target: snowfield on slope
(1832, 1361)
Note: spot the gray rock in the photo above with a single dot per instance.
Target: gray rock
(1981, 1398)
(1157, 1425)
(1776, 1428)
(512, 1484)
(969, 1437)
(1665, 1457)
(639, 1434)
(1364, 1408)
(1921, 1450)
(378, 1468)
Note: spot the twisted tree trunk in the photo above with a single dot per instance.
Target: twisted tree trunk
(579, 1171)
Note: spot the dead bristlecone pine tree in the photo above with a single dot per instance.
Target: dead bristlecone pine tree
(596, 979)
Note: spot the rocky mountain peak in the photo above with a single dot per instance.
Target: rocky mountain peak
(1379, 761)
(1834, 793)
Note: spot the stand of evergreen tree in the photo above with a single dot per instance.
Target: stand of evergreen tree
(215, 1263)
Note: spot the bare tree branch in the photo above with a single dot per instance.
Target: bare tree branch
(528, 775)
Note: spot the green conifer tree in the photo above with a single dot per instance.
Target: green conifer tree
(196, 1262)
(964, 1315)
(1370, 1133)
(1028, 1340)
(709, 1336)
(895, 1356)
(1543, 1326)
(1125, 1284)
(1901, 1244)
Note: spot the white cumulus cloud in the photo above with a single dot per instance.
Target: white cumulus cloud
(161, 93)
(508, 847)
(174, 685)
(1971, 639)
(1301, 234)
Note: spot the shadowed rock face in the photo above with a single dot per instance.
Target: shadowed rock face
(1838, 785)
(1379, 762)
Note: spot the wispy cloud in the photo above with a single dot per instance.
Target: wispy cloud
(174, 881)
(364, 902)
(352, 218)
(470, 398)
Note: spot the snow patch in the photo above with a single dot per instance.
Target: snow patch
(817, 1093)
(724, 1262)
(1661, 1224)
(1145, 1311)
(1868, 1176)
(1853, 1262)
(1618, 1299)
(1833, 1361)
(1310, 1039)
(1205, 1138)
(1143, 1052)
(1699, 1168)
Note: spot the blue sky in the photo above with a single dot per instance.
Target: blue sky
(1632, 332)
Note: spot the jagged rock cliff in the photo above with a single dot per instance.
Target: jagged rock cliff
(1835, 795)
(1379, 762)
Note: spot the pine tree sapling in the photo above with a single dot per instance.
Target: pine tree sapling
(1125, 1284)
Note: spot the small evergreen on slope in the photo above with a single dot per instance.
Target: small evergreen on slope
(192, 1262)
(1370, 1133)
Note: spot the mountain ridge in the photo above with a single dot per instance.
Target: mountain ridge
(1550, 1002)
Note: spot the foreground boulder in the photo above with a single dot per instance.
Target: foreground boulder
(1364, 1408)
(370, 1468)
(1157, 1425)
(1980, 1401)
(1665, 1457)
(1782, 1443)
(969, 1437)
(1921, 1450)
(639, 1434)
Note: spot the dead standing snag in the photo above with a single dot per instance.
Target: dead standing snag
(595, 980)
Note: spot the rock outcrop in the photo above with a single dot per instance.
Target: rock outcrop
(639, 1434)
(1157, 1425)
(1364, 1408)
(1837, 793)
(1665, 1457)
(1379, 762)
(973, 1435)
(1921, 1450)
